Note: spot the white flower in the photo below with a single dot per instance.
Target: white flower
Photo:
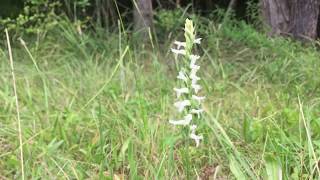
(198, 98)
(186, 121)
(180, 44)
(195, 137)
(193, 72)
(193, 128)
(196, 87)
(180, 105)
(197, 111)
(197, 41)
(182, 76)
(179, 51)
(194, 81)
(181, 91)
(194, 59)
(194, 78)
(194, 67)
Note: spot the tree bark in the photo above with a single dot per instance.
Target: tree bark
(305, 15)
(276, 15)
(296, 18)
(143, 17)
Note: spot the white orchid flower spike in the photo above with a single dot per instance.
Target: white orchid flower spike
(189, 103)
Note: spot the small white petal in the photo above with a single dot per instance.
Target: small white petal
(180, 44)
(193, 75)
(198, 98)
(194, 78)
(194, 81)
(180, 105)
(196, 87)
(178, 51)
(193, 128)
(193, 72)
(197, 111)
(197, 41)
(196, 138)
(194, 59)
(193, 135)
(182, 76)
(193, 63)
(194, 67)
(186, 121)
(188, 117)
(181, 91)
(182, 122)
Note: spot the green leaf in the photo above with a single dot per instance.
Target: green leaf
(236, 169)
(273, 168)
(124, 149)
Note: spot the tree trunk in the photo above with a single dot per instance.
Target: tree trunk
(143, 17)
(296, 18)
(305, 15)
(277, 15)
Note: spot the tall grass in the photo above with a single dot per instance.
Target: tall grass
(91, 109)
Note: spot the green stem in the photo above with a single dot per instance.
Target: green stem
(186, 154)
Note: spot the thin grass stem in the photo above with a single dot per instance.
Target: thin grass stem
(17, 105)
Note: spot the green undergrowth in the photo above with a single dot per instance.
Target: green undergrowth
(95, 105)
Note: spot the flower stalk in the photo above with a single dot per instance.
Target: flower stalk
(189, 101)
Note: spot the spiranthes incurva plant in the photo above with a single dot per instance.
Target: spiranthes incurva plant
(189, 102)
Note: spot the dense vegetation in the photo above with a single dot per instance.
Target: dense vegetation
(95, 105)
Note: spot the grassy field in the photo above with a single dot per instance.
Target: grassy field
(95, 106)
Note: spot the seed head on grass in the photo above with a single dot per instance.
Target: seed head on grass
(189, 102)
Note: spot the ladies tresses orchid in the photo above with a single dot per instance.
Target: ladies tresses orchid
(191, 101)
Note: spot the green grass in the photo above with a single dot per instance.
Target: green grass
(95, 107)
